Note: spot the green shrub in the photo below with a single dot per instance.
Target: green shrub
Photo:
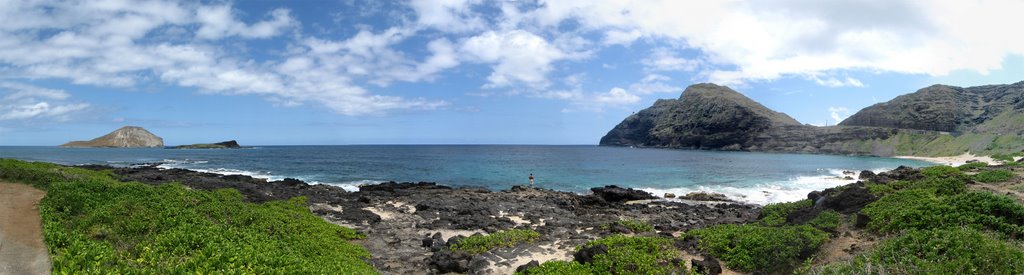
(1006, 157)
(760, 248)
(972, 166)
(42, 174)
(482, 243)
(626, 255)
(924, 209)
(828, 220)
(93, 223)
(562, 267)
(775, 214)
(994, 176)
(936, 251)
(940, 171)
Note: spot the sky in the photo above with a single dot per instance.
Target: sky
(468, 71)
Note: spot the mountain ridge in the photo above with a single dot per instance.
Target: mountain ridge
(933, 121)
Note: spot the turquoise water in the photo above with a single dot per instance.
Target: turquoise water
(751, 177)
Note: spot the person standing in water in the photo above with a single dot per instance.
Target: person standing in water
(531, 180)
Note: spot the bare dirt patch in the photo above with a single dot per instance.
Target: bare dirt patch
(21, 236)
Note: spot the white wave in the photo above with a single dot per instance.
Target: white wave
(794, 189)
(351, 186)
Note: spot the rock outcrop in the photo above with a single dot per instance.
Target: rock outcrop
(937, 120)
(231, 144)
(126, 137)
(705, 116)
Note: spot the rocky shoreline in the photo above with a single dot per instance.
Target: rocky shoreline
(409, 226)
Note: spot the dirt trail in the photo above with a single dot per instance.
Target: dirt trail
(21, 236)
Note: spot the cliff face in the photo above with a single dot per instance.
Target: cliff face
(937, 120)
(126, 137)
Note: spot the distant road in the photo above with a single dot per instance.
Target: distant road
(21, 236)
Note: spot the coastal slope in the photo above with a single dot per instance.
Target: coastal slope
(935, 121)
(126, 137)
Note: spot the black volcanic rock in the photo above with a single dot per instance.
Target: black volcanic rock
(231, 144)
(612, 193)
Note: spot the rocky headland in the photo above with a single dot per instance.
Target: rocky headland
(125, 137)
(934, 121)
(231, 144)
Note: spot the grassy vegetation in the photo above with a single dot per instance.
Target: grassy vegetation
(775, 214)
(994, 176)
(827, 220)
(93, 223)
(763, 248)
(936, 251)
(482, 243)
(626, 255)
(972, 166)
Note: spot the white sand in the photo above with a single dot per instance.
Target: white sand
(953, 160)
(551, 253)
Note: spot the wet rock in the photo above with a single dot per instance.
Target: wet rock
(705, 196)
(613, 193)
(866, 175)
(670, 195)
(849, 199)
(587, 254)
(526, 266)
(708, 266)
(446, 261)
(803, 215)
(861, 221)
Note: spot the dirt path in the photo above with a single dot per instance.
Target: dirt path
(21, 236)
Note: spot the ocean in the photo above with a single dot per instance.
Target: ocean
(758, 178)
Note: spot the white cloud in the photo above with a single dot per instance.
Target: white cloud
(663, 59)
(218, 22)
(654, 83)
(765, 40)
(24, 102)
(447, 15)
(122, 44)
(519, 57)
(617, 96)
(836, 82)
(838, 114)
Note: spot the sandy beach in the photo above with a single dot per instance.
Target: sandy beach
(953, 160)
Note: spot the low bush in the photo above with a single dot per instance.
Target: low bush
(482, 243)
(940, 171)
(93, 223)
(775, 214)
(925, 209)
(936, 251)
(994, 176)
(760, 248)
(827, 220)
(626, 255)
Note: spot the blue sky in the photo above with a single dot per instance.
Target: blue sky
(466, 71)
